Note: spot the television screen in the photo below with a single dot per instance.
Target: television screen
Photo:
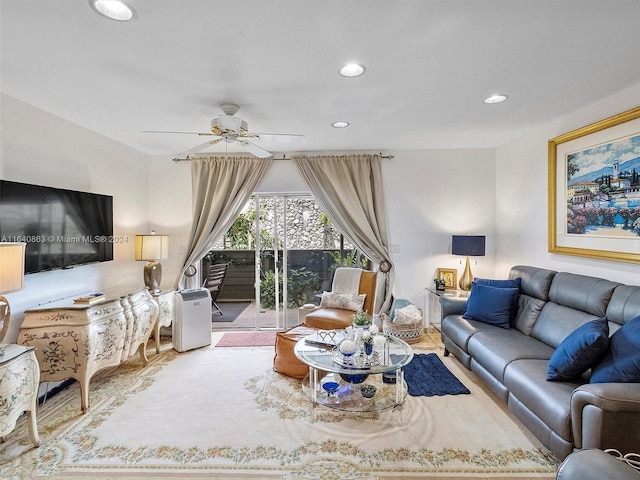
(62, 228)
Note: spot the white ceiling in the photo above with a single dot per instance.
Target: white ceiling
(429, 65)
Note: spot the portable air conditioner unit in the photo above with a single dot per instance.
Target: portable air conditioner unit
(192, 326)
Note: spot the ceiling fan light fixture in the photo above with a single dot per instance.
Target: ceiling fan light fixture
(113, 9)
(497, 98)
(340, 124)
(228, 124)
(352, 70)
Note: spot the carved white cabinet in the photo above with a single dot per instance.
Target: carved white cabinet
(166, 304)
(78, 340)
(19, 380)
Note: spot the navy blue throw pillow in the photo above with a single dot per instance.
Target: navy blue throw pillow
(621, 362)
(491, 304)
(579, 351)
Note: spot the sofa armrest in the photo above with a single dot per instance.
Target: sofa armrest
(452, 306)
(602, 416)
(595, 464)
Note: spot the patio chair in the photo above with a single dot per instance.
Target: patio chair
(214, 283)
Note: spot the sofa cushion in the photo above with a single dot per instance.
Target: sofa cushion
(346, 301)
(491, 304)
(529, 309)
(460, 330)
(580, 292)
(526, 380)
(624, 305)
(534, 281)
(580, 351)
(496, 348)
(556, 322)
(621, 362)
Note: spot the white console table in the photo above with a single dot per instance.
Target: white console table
(432, 304)
(77, 340)
(19, 380)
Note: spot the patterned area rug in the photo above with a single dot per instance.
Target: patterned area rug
(223, 413)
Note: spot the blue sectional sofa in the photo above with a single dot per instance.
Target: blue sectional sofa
(514, 359)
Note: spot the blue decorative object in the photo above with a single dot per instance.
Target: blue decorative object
(621, 362)
(331, 388)
(368, 348)
(354, 377)
(490, 282)
(580, 351)
(491, 304)
(427, 376)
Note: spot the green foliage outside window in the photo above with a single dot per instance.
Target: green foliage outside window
(300, 284)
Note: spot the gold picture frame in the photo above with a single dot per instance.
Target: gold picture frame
(450, 276)
(593, 188)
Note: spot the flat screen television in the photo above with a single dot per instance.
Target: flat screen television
(62, 228)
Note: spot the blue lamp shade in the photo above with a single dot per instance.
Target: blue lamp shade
(468, 245)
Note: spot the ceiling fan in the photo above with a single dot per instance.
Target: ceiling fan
(231, 129)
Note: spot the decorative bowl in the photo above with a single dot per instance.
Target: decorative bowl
(368, 391)
(354, 377)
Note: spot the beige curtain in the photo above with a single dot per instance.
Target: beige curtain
(220, 188)
(349, 190)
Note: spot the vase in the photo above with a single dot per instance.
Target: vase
(368, 348)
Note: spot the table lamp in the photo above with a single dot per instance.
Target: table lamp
(11, 279)
(469, 246)
(151, 248)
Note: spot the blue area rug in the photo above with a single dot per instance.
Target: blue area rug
(427, 376)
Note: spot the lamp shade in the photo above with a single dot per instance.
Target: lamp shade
(152, 247)
(468, 245)
(11, 266)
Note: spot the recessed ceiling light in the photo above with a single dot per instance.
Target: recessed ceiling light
(351, 70)
(113, 9)
(340, 124)
(497, 98)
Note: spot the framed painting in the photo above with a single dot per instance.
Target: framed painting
(450, 277)
(594, 190)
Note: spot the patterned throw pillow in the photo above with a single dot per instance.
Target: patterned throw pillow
(344, 301)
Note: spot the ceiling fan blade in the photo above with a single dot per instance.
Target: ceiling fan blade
(185, 133)
(202, 146)
(254, 149)
(277, 135)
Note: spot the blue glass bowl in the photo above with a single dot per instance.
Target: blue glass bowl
(331, 387)
(354, 377)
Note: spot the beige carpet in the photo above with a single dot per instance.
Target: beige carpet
(223, 413)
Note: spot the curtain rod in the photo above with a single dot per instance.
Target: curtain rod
(284, 157)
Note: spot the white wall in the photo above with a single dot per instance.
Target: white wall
(521, 178)
(432, 195)
(43, 149)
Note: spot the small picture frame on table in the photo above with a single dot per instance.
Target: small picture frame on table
(450, 277)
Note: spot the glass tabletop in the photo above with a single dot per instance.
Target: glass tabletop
(320, 351)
